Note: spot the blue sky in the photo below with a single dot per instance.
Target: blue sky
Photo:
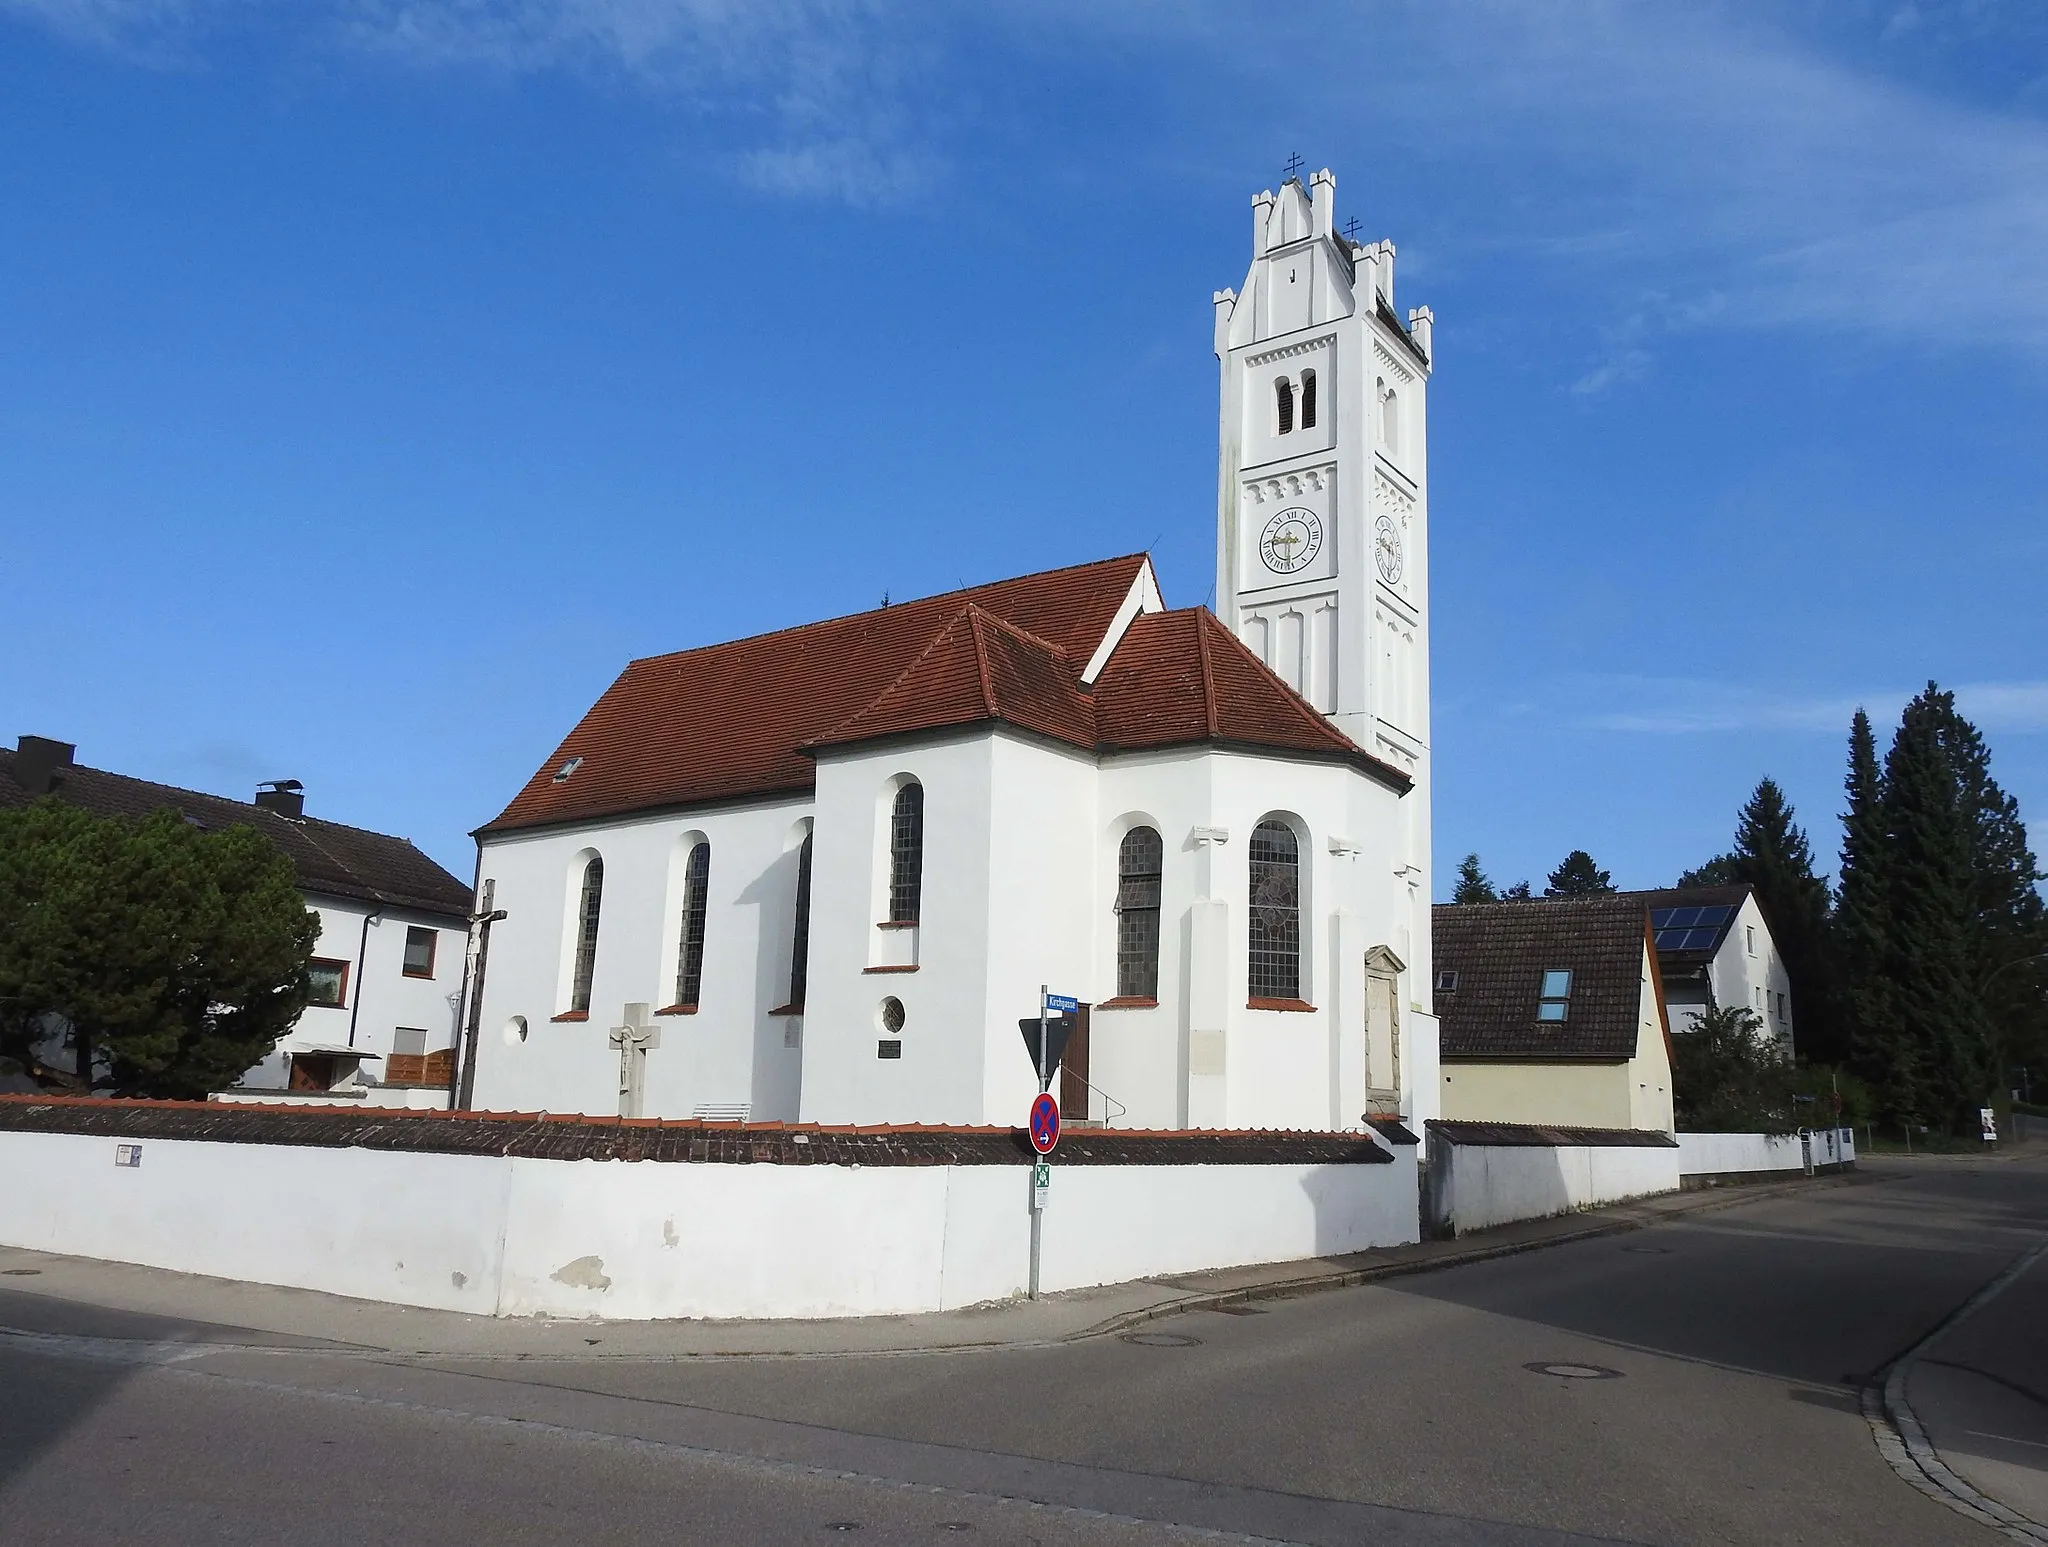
(376, 377)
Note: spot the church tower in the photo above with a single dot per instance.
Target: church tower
(1322, 550)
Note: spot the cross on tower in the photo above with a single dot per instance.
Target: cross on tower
(1293, 166)
(1351, 229)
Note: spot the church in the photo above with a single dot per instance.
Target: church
(820, 875)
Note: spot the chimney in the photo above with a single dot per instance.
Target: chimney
(287, 797)
(40, 762)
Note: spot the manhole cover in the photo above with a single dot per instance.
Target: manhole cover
(1568, 1371)
(19, 1272)
(1162, 1340)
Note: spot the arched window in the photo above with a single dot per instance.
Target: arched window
(1275, 913)
(1283, 404)
(1390, 419)
(906, 855)
(587, 911)
(1138, 862)
(800, 944)
(1308, 400)
(690, 954)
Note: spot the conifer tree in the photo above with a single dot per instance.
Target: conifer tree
(1519, 892)
(1473, 886)
(1577, 876)
(1773, 857)
(1718, 871)
(1930, 891)
(1878, 1044)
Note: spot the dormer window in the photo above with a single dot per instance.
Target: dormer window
(1555, 1001)
(1283, 405)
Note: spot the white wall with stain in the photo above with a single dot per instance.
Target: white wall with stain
(643, 1240)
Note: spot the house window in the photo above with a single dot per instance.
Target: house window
(1554, 1003)
(1283, 404)
(800, 944)
(587, 909)
(419, 951)
(327, 982)
(1781, 1007)
(906, 855)
(1138, 865)
(690, 955)
(1308, 400)
(1749, 932)
(1275, 913)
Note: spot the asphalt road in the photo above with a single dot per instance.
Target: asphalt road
(1730, 1348)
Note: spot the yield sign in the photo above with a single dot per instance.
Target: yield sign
(1045, 1122)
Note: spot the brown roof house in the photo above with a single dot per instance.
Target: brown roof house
(394, 929)
(1552, 1013)
(821, 874)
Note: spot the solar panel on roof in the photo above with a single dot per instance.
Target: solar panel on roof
(1716, 916)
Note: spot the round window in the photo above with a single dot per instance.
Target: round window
(891, 1015)
(515, 1031)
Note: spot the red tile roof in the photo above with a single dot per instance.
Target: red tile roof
(742, 719)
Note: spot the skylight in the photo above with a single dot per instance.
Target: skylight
(562, 773)
(1555, 1001)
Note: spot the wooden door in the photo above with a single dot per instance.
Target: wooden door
(1074, 1071)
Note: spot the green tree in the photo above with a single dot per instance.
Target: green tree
(1931, 889)
(1718, 871)
(1880, 1048)
(1578, 876)
(1727, 1076)
(1472, 883)
(174, 957)
(1519, 892)
(1773, 857)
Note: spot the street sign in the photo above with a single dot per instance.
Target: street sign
(1045, 1122)
(1041, 1183)
(1057, 1030)
(1062, 1004)
(1987, 1121)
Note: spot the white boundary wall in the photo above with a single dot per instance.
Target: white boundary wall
(1478, 1186)
(1739, 1154)
(636, 1240)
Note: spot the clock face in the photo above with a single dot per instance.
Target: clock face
(1291, 539)
(1386, 550)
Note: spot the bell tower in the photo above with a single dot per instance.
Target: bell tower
(1322, 530)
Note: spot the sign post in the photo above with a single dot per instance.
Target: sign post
(1044, 1124)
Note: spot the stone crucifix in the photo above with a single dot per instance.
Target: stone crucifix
(633, 1040)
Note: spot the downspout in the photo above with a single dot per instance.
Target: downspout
(362, 954)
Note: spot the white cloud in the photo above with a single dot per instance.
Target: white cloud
(1688, 706)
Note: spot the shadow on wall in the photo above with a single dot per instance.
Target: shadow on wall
(1349, 1217)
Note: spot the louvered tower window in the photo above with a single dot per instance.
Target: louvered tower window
(800, 945)
(1137, 914)
(906, 855)
(587, 910)
(1283, 404)
(690, 958)
(1275, 913)
(1308, 400)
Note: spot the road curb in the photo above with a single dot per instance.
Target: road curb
(1707, 1202)
(1902, 1439)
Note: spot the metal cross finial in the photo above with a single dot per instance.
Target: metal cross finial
(1351, 229)
(1293, 165)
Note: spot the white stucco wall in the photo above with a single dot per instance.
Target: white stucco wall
(732, 1051)
(1725, 1154)
(641, 1240)
(1747, 965)
(1019, 885)
(1479, 1186)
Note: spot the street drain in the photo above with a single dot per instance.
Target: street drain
(1649, 1251)
(1239, 1309)
(1162, 1340)
(19, 1272)
(1575, 1371)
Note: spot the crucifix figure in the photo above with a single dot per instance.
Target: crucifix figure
(633, 1040)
